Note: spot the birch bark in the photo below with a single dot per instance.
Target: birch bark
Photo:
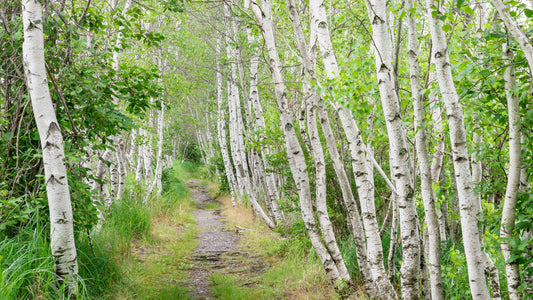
(365, 189)
(238, 149)
(119, 168)
(156, 184)
(438, 155)
(221, 127)
(515, 30)
(320, 35)
(55, 172)
(467, 198)
(293, 148)
(428, 195)
(271, 190)
(513, 177)
(399, 150)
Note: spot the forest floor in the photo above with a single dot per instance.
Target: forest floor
(218, 248)
(202, 247)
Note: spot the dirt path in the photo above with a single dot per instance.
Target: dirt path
(217, 250)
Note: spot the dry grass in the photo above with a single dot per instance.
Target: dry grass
(293, 271)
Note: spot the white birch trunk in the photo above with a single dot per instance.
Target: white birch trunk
(515, 30)
(221, 128)
(428, 195)
(399, 150)
(320, 182)
(365, 189)
(147, 157)
(438, 155)
(467, 198)
(156, 184)
(140, 159)
(295, 154)
(320, 32)
(238, 149)
(271, 190)
(55, 172)
(513, 178)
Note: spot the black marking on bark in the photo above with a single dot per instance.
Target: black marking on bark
(460, 159)
(48, 144)
(53, 128)
(377, 20)
(53, 179)
(288, 126)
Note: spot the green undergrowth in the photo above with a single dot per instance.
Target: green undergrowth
(156, 263)
(291, 269)
(140, 252)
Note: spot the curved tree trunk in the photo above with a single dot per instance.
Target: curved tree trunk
(294, 151)
(399, 150)
(238, 150)
(365, 189)
(55, 172)
(515, 30)
(513, 180)
(467, 198)
(221, 128)
(156, 184)
(428, 195)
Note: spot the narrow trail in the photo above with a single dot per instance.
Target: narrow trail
(218, 249)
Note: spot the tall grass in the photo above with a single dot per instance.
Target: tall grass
(27, 266)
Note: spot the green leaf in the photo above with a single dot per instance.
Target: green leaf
(467, 9)
(446, 27)
(528, 12)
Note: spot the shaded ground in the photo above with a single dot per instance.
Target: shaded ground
(218, 249)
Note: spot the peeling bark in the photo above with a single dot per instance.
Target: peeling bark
(55, 172)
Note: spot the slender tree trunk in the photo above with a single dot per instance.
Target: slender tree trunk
(314, 105)
(467, 198)
(399, 150)
(365, 189)
(513, 178)
(320, 182)
(294, 151)
(221, 128)
(271, 191)
(118, 168)
(156, 184)
(320, 30)
(515, 30)
(238, 149)
(428, 195)
(438, 156)
(55, 172)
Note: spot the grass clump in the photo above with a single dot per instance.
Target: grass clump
(292, 269)
(226, 288)
(140, 252)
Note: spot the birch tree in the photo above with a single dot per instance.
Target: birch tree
(467, 198)
(55, 172)
(221, 126)
(398, 149)
(271, 190)
(513, 179)
(516, 31)
(428, 196)
(236, 129)
(293, 148)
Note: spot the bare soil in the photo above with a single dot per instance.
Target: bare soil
(218, 248)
